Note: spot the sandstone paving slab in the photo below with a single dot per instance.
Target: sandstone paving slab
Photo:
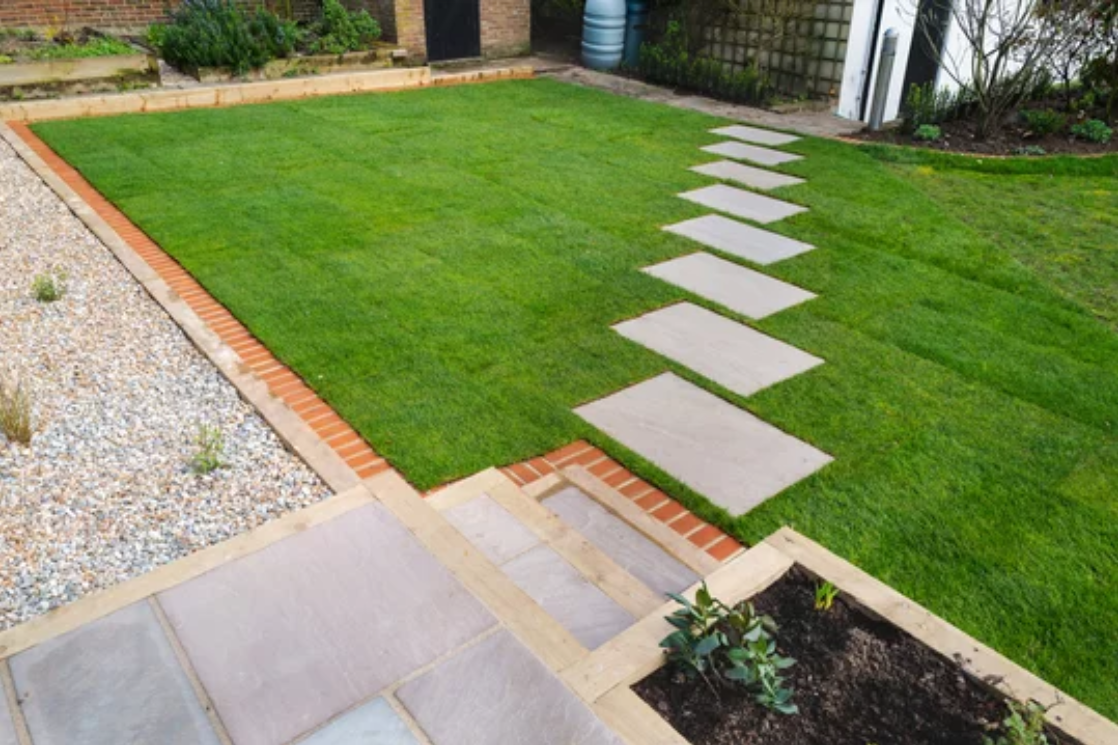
(741, 203)
(578, 605)
(374, 723)
(758, 178)
(287, 637)
(7, 728)
(491, 528)
(731, 354)
(754, 134)
(730, 456)
(745, 241)
(742, 290)
(753, 153)
(628, 547)
(497, 692)
(115, 680)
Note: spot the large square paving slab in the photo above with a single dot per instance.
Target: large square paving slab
(737, 238)
(289, 636)
(7, 728)
(497, 693)
(758, 178)
(754, 134)
(724, 453)
(491, 528)
(628, 548)
(113, 681)
(753, 153)
(579, 606)
(731, 354)
(741, 290)
(374, 723)
(741, 203)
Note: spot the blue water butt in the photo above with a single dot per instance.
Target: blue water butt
(603, 34)
(636, 20)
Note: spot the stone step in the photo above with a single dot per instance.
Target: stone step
(754, 134)
(745, 241)
(757, 178)
(731, 354)
(741, 151)
(726, 454)
(742, 290)
(741, 203)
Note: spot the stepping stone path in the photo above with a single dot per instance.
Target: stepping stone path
(742, 151)
(745, 241)
(731, 354)
(723, 452)
(741, 203)
(375, 723)
(742, 290)
(757, 178)
(753, 134)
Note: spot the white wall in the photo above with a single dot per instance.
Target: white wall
(895, 14)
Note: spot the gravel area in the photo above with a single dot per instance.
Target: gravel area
(105, 491)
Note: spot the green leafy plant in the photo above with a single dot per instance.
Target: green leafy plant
(726, 645)
(1043, 122)
(927, 133)
(340, 30)
(669, 62)
(1093, 130)
(926, 104)
(15, 412)
(210, 443)
(98, 46)
(6, 60)
(825, 594)
(217, 33)
(1023, 726)
(47, 288)
(1033, 150)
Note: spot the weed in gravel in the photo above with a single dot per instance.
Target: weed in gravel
(211, 443)
(15, 412)
(47, 288)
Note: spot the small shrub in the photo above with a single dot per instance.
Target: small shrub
(1023, 726)
(15, 412)
(339, 30)
(825, 594)
(927, 133)
(1034, 150)
(669, 63)
(1043, 122)
(6, 60)
(729, 645)
(1093, 130)
(99, 46)
(211, 444)
(925, 104)
(48, 288)
(217, 33)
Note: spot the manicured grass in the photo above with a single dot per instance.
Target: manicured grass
(443, 267)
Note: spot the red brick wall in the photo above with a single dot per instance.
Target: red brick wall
(505, 27)
(117, 14)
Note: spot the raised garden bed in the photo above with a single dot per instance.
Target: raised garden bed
(87, 62)
(1013, 139)
(380, 56)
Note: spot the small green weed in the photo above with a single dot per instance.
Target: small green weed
(48, 288)
(825, 594)
(1030, 150)
(15, 412)
(1023, 726)
(1093, 130)
(211, 444)
(1043, 122)
(927, 133)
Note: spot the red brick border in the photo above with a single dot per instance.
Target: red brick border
(650, 499)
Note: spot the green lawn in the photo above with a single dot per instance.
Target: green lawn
(443, 266)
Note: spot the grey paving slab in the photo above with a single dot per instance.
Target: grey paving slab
(289, 636)
(7, 728)
(754, 153)
(589, 614)
(374, 723)
(758, 178)
(112, 681)
(753, 134)
(619, 540)
(742, 290)
(497, 693)
(491, 528)
(737, 238)
(741, 203)
(727, 454)
(730, 353)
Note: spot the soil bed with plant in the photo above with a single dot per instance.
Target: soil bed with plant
(35, 66)
(855, 680)
(1014, 139)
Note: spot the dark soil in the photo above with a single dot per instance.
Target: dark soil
(858, 681)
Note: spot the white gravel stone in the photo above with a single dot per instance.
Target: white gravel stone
(105, 491)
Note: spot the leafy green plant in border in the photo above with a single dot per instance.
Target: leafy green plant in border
(825, 594)
(1023, 726)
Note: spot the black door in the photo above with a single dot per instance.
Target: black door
(453, 29)
(927, 43)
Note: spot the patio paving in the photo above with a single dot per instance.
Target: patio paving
(757, 178)
(7, 729)
(374, 723)
(497, 693)
(741, 203)
(730, 456)
(731, 354)
(491, 528)
(742, 290)
(372, 606)
(744, 241)
(741, 151)
(754, 135)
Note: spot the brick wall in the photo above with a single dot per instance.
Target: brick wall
(117, 14)
(505, 27)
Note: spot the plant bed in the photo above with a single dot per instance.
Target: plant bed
(380, 56)
(857, 680)
(88, 61)
(1014, 139)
